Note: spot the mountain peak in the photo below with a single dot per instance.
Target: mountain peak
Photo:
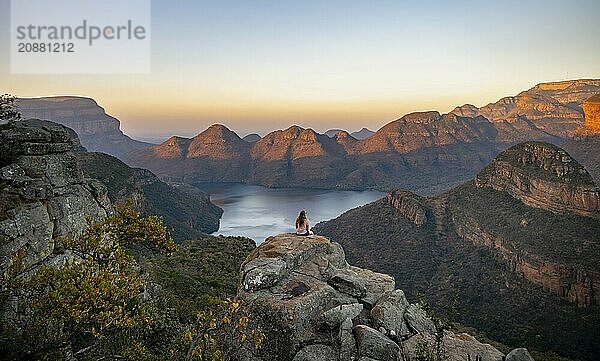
(293, 131)
(252, 138)
(342, 134)
(362, 134)
(217, 130)
(217, 142)
(171, 148)
(544, 176)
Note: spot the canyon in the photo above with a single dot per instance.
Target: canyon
(523, 233)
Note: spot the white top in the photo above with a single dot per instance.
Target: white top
(303, 229)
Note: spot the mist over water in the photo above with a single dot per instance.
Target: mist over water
(257, 212)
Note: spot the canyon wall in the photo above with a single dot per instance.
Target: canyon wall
(409, 206)
(572, 282)
(543, 176)
(98, 131)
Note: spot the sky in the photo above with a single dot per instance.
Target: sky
(261, 65)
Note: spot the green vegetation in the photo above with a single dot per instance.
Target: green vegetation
(104, 304)
(564, 238)
(186, 211)
(200, 272)
(92, 301)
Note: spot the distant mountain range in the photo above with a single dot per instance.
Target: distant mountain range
(425, 152)
(518, 245)
(362, 134)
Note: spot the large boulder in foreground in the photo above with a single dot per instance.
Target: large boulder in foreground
(313, 305)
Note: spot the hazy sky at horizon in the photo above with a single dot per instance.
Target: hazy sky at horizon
(261, 65)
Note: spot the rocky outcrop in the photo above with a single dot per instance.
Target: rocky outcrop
(44, 196)
(409, 206)
(544, 176)
(98, 131)
(591, 108)
(314, 306)
(548, 111)
(519, 354)
(517, 254)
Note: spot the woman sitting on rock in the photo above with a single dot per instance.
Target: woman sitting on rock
(302, 225)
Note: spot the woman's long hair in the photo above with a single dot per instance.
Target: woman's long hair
(301, 220)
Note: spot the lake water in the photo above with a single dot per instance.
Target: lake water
(258, 212)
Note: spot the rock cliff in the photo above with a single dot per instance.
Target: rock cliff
(519, 244)
(314, 306)
(98, 131)
(585, 145)
(577, 284)
(548, 111)
(591, 108)
(544, 176)
(409, 206)
(45, 195)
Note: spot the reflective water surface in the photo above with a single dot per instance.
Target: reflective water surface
(258, 212)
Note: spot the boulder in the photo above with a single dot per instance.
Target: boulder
(316, 353)
(262, 273)
(519, 354)
(349, 282)
(457, 347)
(417, 320)
(347, 341)
(388, 314)
(374, 344)
(334, 317)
